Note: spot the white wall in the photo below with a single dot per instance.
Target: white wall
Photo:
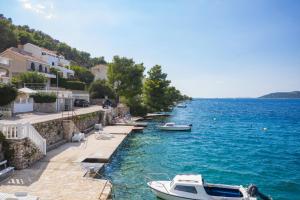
(23, 105)
(49, 59)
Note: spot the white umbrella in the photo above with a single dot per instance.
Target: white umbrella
(27, 91)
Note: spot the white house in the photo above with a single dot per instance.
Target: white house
(21, 61)
(51, 57)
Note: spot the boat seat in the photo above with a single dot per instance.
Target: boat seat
(222, 192)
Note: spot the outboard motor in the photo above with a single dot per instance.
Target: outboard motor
(190, 125)
(254, 192)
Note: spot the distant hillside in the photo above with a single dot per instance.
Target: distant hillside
(287, 95)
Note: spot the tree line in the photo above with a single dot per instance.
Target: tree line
(126, 80)
(127, 83)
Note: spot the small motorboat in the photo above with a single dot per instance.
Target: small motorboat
(184, 187)
(174, 127)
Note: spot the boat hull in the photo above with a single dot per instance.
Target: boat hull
(187, 128)
(168, 196)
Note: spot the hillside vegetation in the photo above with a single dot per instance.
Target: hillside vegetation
(283, 95)
(12, 35)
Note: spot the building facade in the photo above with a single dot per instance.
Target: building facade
(51, 57)
(22, 61)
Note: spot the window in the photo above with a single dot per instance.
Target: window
(52, 63)
(40, 68)
(46, 70)
(43, 53)
(183, 188)
(32, 67)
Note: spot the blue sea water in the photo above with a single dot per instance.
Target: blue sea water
(233, 141)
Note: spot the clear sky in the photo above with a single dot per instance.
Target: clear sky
(209, 48)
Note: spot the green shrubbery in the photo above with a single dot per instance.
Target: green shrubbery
(8, 94)
(101, 89)
(2, 137)
(74, 85)
(43, 97)
(29, 77)
(83, 74)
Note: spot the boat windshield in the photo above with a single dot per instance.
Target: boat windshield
(171, 184)
(170, 124)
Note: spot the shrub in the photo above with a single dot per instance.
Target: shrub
(8, 94)
(2, 137)
(83, 74)
(100, 89)
(73, 85)
(43, 97)
(137, 108)
(29, 77)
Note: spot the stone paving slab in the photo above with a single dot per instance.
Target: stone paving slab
(60, 175)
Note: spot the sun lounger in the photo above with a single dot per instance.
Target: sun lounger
(78, 137)
(98, 127)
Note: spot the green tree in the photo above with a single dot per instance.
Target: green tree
(8, 93)
(155, 90)
(98, 60)
(126, 77)
(101, 89)
(83, 74)
(24, 37)
(8, 38)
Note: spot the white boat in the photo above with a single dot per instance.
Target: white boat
(181, 106)
(184, 187)
(174, 127)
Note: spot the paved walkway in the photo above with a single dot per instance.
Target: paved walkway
(60, 175)
(42, 117)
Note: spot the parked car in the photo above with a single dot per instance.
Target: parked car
(107, 103)
(81, 103)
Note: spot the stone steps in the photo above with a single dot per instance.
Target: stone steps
(55, 145)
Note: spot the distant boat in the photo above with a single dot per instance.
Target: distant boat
(174, 127)
(181, 106)
(184, 187)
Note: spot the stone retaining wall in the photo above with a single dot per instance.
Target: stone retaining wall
(45, 107)
(6, 111)
(52, 130)
(22, 153)
(86, 121)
